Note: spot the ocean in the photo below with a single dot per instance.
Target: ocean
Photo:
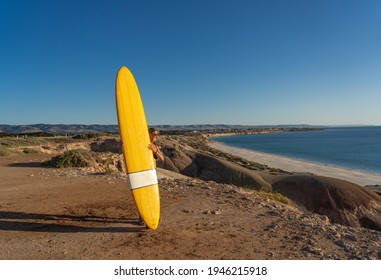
(349, 147)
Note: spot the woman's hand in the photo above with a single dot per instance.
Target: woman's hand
(153, 147)
(156, 150)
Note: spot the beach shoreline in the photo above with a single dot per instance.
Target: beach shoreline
(295, 165)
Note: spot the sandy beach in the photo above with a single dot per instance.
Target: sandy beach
(294, 165)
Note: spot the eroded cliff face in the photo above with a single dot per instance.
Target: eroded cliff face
(341, 201)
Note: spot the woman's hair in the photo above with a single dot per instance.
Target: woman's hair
(152, 129)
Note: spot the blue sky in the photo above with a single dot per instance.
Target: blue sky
(259, 62)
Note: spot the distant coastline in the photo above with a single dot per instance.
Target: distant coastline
(259, 131)
(294, 165)
(218, 129)
(330, 151)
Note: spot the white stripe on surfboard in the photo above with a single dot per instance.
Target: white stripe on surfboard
(142, 179)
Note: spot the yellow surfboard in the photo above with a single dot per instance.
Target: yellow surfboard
(139, 159)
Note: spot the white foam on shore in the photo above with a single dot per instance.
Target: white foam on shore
(294, 165)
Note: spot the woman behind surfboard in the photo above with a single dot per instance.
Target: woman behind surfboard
(157, 153)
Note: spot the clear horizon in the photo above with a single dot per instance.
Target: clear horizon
(195, 62)
(197, 124)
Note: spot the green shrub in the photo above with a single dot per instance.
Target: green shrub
(73, 158)
(279, 197)
(274, 196)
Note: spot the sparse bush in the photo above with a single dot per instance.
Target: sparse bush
(73, 158)
(85, 136)
(30, 151)
(106, 163)
(279, 197)
(273, 196)
(4, 151)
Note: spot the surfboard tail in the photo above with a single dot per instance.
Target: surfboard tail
(147, 202)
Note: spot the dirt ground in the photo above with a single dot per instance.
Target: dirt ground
(48, 213)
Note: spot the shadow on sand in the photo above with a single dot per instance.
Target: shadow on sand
(31, 164)
(64, 223)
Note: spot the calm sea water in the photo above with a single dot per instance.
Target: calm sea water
(356, 147)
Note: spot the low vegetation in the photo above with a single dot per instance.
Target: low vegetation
(30, 151)
(14, 142)
(279, 197)
(86, 136)
(73, 158)
(276, 197)
(4, 151)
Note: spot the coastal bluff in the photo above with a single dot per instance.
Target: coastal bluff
(214, 206)
(341, 201)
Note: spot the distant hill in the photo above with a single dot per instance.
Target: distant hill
(81, 128)
(58, 128)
